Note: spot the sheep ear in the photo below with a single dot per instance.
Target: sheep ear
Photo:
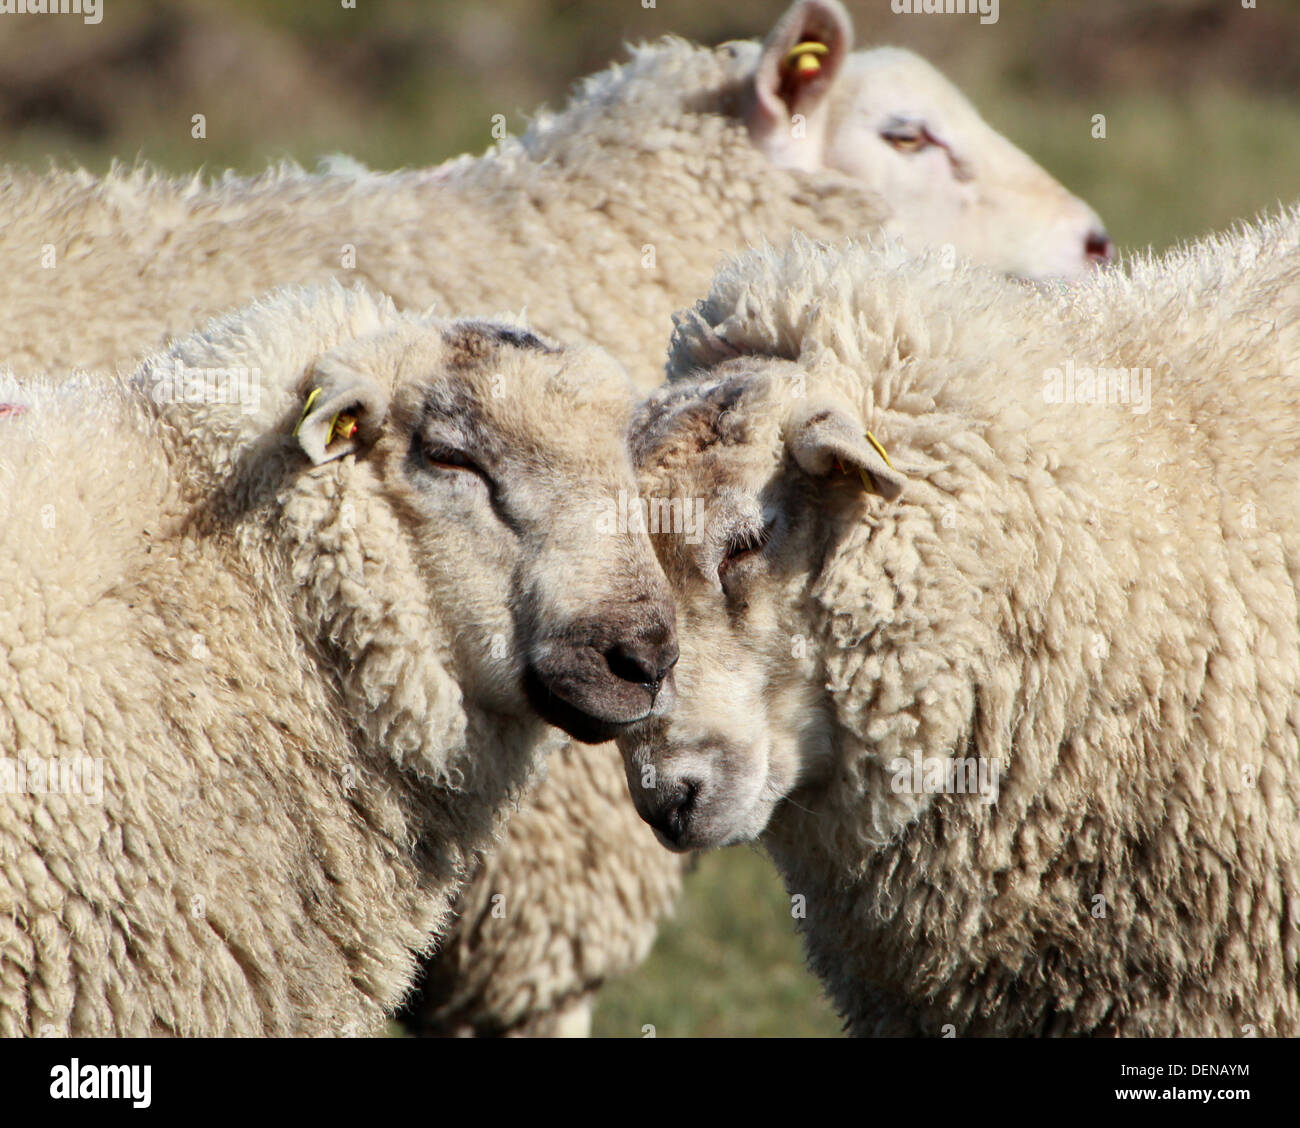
(786, 105)
(343, 410)
(825, 440)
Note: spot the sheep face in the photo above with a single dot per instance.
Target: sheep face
(892, 122)
(780, 479)
(950, 179)
(499, 454)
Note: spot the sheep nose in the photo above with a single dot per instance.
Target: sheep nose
(642, 662)
(1097, 247)
(673, 817)
(596, 679)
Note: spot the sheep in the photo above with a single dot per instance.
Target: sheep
(601, 220)
(284, 615)
(991, 636)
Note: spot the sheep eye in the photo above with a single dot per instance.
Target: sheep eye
(908, 138)
(444, 458)
(742, 546)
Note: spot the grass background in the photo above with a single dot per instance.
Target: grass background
(1202, 122)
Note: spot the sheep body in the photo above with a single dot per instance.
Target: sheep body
(599, 221)
(1097, 598)
(602, 220)
(573, 891)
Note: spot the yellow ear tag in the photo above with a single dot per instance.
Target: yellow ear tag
(805, 58)
(306, 409)
(880, 450)
(342, 426)
(867, 480)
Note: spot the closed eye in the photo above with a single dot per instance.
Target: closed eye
(914, 137)
(743, 546)
(910, 137)
(447, 458)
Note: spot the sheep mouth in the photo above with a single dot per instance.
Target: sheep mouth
(672, 844)
(582, 725)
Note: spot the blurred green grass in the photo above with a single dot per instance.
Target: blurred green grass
(1168, 169)
(1202, 130)
(728, 965)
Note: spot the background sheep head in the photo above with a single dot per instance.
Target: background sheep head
(892, 122)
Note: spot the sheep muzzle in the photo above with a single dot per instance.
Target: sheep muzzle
(594, 681)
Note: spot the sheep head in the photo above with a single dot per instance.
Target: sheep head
(500, 451)
(776, 480)
(889, 120)
(833, 619)
(438, 489)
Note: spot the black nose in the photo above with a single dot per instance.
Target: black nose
(595, 678)
(1097, 247)
(673, 818)
(641, 662)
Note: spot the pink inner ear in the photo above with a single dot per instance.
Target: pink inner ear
(14, 409)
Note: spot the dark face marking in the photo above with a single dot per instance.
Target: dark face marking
(449, 429)
(520, 339)
(689, 418)
(473, 342)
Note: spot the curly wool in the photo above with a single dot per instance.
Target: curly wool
(1100, 600)
(601, 221)
(648, 154)
(277, 722)
(572, 893)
